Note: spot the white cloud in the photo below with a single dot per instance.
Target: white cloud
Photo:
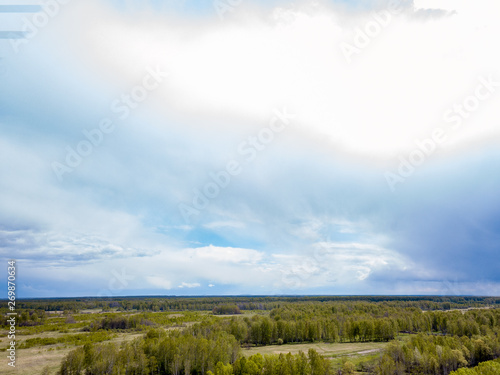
(394, 92)
(159, 282)
(339, 264)
(189, 285)
(226, 254)
(224, 224)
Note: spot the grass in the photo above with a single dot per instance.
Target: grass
(329, 350)
(358, 353)
(32, 361)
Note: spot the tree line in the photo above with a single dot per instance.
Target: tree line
(244, 303)
(485, 368)
(310, 323)
(436, 355)
(179, 353)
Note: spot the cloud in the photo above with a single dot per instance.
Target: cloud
(189, 285)
(224, 224)
(312, 212)
(70, 248)
(160, 282)
(226, 254)
(337, 264)
(250, 63)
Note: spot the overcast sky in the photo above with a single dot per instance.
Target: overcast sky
(251, 147)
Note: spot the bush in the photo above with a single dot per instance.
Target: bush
(226, 309)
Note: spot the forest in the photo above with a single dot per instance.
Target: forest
(260, 335)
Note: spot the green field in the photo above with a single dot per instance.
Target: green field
(329, 350)
(31, 361)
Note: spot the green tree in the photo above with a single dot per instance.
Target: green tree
(348, 368)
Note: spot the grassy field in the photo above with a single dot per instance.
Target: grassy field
(31, 361)
(329, 350)
(336, 352)
(357, 353)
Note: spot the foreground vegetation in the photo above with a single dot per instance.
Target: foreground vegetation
(259, 335)
(484, 368)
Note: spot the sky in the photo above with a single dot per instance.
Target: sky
(237, 147)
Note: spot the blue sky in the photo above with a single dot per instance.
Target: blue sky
(170, 148)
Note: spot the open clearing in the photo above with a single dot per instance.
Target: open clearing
(325, 349)
(31, 361)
